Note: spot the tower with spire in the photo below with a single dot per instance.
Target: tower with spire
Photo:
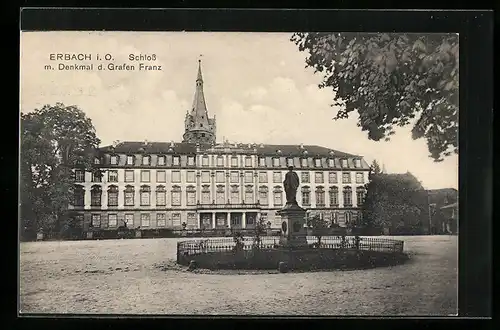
(199, 128)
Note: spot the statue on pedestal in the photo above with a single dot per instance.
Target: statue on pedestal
(291, 184)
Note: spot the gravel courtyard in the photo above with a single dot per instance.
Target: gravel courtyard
(139, 276)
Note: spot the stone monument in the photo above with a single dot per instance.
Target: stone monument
(293, 217)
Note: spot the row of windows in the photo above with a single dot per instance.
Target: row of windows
(220, 196)
(276, 161)
(220, 176)
(161, 220)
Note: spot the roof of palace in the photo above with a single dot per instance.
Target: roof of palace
(131, 147)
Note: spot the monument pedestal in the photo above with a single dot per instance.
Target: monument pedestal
(293, 231)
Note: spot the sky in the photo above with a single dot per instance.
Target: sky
(256, 84)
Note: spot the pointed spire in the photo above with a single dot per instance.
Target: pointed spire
(199, 77)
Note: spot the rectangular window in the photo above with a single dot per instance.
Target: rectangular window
(318, 177)
(220, 197)
(161, 176)
(235, 177)
(161, 160)
(249, 197)
(145, 198)
(304, 162)
(112, 220)
(263, 197)
(97, 176)
(277, 177)
(191, 177)
(205, 177)
(263, 177)
(235, 196)
(79, 197)
(317, 162)
(248, 177)
(220, 161)
(144, 219)
(347, 197)
(129, 198)
(114, 160)
(320, 198)
(161, 197)
(289, 162)
(161, 219)
(176, 219)
(130, 160)
(262, 162)
(304, 177)
(332, 177)
(145, 176)
(205, 197)
(129, 219)
(248, 162)
(331, 163)
(191, 219)
(129, 175)
(219, 177)
(204, 161)
(357, 162)
(113, 176)
(79, 176)
(306, 198)
(191, 197)
(276, 162)
(145, 160)
(176, 161)
(344, 162)
(346, 177)
(278, 200)
(191, 161)
(359, 177)
(176, 198)
(234, 161)
(334, 197)
(97, 161)
(96, 220)
(176, 176)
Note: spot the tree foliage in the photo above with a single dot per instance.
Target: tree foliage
(54, 140)
(318, 225)
(392, 79)
(396, 202)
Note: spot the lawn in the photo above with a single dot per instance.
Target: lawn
(139, 276)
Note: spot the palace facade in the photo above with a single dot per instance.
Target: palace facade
(198, 183)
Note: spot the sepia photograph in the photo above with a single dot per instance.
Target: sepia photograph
(238, 173)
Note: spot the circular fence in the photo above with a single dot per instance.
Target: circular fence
(266, 252)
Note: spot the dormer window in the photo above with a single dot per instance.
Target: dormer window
(114, 160)
(204, 161)
(344, 162)
(262, 162)
(304, 162)
(130, 160)
(176, 161)
(289, 161)
(358, 162)
(276, 162)
(234, 161)
(190, 160)
(97, 161)
(145, 160)
(331, 163)
(317, 162)
(248, 161)
(161, 160)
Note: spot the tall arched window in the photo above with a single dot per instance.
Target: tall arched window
(78, 196)
(347, 196)
(145, 195)
(277, 196)
(248, 194)
(360, 195)
(334, 196)
(263, 195)
(113, 196)
(161, 196)
(95, 195)
(306, 196)
(129, 195)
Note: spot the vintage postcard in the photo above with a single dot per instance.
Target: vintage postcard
(225, 173)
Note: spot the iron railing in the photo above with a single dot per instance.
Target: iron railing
(193, 247)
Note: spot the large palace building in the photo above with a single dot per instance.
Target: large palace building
(198, 183)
